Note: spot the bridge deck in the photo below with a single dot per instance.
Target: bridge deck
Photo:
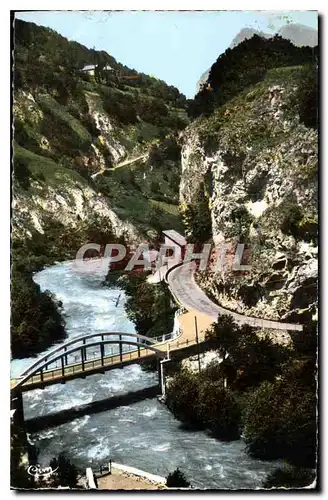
(95, 365)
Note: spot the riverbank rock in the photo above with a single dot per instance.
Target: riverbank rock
(205, 358)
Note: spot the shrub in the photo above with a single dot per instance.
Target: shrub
(36, 321)
(172, 150)
(248, 360)
(280, 418)
(155, 156)
(307, 97)
(147, 305)
(66, 474)
(196, 218)
(120, 106)
(307, 229)
(177, 479)
(292, 215)
(21, 172)
(25, 136)
(182, 398)
(295, 223)
(289, 477)
(203, 402)
(241, 222)
(152, 110)
(305, 342)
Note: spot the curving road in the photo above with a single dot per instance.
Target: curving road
(183, 287)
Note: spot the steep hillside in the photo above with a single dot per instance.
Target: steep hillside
(95, 159)
(73, 131)
(253, 162)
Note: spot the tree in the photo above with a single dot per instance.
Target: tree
(182, 397)
(19, 478)
(305, 342)
(36, 321)
(224, 334)
(280, 418)
(289, 477)
(246, 64)
(177, 479)
(251, 359)
(147, 305)
(155, 156)
(218, 410)
(291, 216)
(241, 221)
(201, 400)
(196, 217)
(307, 97)
(66, 474)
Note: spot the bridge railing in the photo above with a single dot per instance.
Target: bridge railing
(46, 375)
(163, 338)
(96, 363)
(115, 357)
(76, 368)
(85, 342)
(185, 343)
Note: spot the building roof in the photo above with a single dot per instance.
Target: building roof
(175, 236)
(88, 67)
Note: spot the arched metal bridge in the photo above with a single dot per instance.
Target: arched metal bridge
(87, 355)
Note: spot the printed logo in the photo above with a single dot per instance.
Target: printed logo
(38, 471)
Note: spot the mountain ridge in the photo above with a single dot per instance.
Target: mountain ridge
(299, 34)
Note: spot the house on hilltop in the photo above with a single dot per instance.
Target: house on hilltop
(90, 69)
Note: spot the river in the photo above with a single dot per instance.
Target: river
(144, 434)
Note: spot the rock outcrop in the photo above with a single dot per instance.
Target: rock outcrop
(76, 200)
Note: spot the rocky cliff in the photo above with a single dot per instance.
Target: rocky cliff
(255, 161)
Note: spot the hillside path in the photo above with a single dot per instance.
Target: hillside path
(119, 165)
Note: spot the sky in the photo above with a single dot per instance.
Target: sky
(177, 47)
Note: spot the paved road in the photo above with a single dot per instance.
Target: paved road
(186, 291)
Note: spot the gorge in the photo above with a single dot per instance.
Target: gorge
(101, 158)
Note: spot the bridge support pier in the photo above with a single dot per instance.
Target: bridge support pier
(121, 348)
(159, 372)
(161, 376)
